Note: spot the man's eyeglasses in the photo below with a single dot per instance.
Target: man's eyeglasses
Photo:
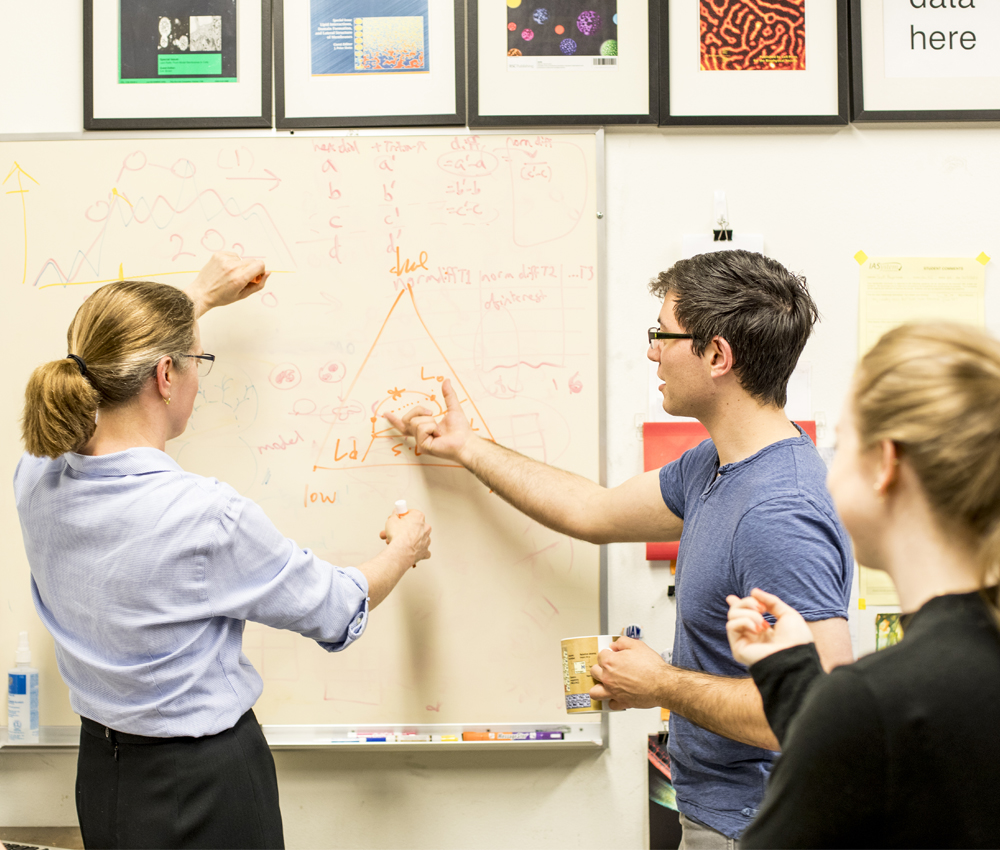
(205, 362)
(656, 333)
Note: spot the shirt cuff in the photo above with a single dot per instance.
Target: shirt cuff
(783, 680)
(359, 622)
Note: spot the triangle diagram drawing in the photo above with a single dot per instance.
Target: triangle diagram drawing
(404, 367)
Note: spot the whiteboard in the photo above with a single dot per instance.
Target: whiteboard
(398, 262)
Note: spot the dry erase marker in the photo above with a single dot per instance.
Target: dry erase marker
(445, 739)
(413, 735)
(479, 736)
(400, 508)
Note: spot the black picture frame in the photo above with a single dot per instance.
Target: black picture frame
(839, 118)
(260, 119)
(284, 122)
(861, 115)
(477, 119)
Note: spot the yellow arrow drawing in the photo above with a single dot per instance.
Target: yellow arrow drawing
(20, 190)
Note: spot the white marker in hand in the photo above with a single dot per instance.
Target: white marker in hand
(401, 510)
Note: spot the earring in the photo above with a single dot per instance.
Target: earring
(167, 401)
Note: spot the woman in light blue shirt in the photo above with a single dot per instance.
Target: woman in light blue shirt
(145, 575)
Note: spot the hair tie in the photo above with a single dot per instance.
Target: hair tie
(79, 362)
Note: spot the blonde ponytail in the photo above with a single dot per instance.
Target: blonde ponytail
(60, 409)
(934, 390)
(120, 332)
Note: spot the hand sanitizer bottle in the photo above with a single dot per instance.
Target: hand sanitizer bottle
(22, 697)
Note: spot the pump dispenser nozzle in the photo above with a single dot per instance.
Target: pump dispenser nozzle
(23, 650)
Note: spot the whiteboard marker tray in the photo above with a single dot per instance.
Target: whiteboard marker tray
(397, 737)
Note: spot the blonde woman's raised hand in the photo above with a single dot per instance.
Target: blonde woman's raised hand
(752, 638)
(225, 279)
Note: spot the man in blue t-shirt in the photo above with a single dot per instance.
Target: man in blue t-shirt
(750, 508)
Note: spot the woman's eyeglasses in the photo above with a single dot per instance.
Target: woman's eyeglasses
(205, 362)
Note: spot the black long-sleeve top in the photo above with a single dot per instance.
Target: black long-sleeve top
(900, 749)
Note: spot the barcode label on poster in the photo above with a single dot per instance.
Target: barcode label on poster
(553, 63)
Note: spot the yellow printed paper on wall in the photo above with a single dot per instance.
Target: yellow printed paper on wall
(895, 290)
(888, 630)
(876, 588)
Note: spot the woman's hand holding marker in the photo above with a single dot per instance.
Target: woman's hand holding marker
(408, 528)
(225, 279)
(752, 638)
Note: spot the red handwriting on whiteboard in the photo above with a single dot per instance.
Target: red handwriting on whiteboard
(180, 248)
(340, 146)
(466, 143)
(285, 376)
(506, 299)
(468, 163)
(281, 443)
(536, 170)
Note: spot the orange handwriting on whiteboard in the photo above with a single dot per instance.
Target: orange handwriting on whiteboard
(406, 266)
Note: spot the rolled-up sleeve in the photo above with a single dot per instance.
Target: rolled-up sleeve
(255, 573)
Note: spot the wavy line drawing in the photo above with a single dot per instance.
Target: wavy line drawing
(161, 213)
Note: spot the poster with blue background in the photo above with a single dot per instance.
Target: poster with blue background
(369, 36)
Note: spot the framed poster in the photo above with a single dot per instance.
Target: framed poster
(742, 62)
(537, 62)
(925, 60)
(176, 64)
(368, 63)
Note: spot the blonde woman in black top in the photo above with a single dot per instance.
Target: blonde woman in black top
(901, 748)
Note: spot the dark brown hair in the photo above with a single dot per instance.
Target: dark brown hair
(761, 309)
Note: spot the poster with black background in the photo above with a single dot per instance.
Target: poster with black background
(177, 41)
(562, 33)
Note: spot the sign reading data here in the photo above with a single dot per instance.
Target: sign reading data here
(177, 41)
(941, 38)
(369, 37)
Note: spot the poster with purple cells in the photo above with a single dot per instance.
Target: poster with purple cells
(546, 34)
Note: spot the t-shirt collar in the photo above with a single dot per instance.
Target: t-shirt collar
(731, 467)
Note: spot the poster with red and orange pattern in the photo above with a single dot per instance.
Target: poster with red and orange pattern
(753, 35)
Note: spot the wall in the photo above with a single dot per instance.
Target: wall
(818, 197)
